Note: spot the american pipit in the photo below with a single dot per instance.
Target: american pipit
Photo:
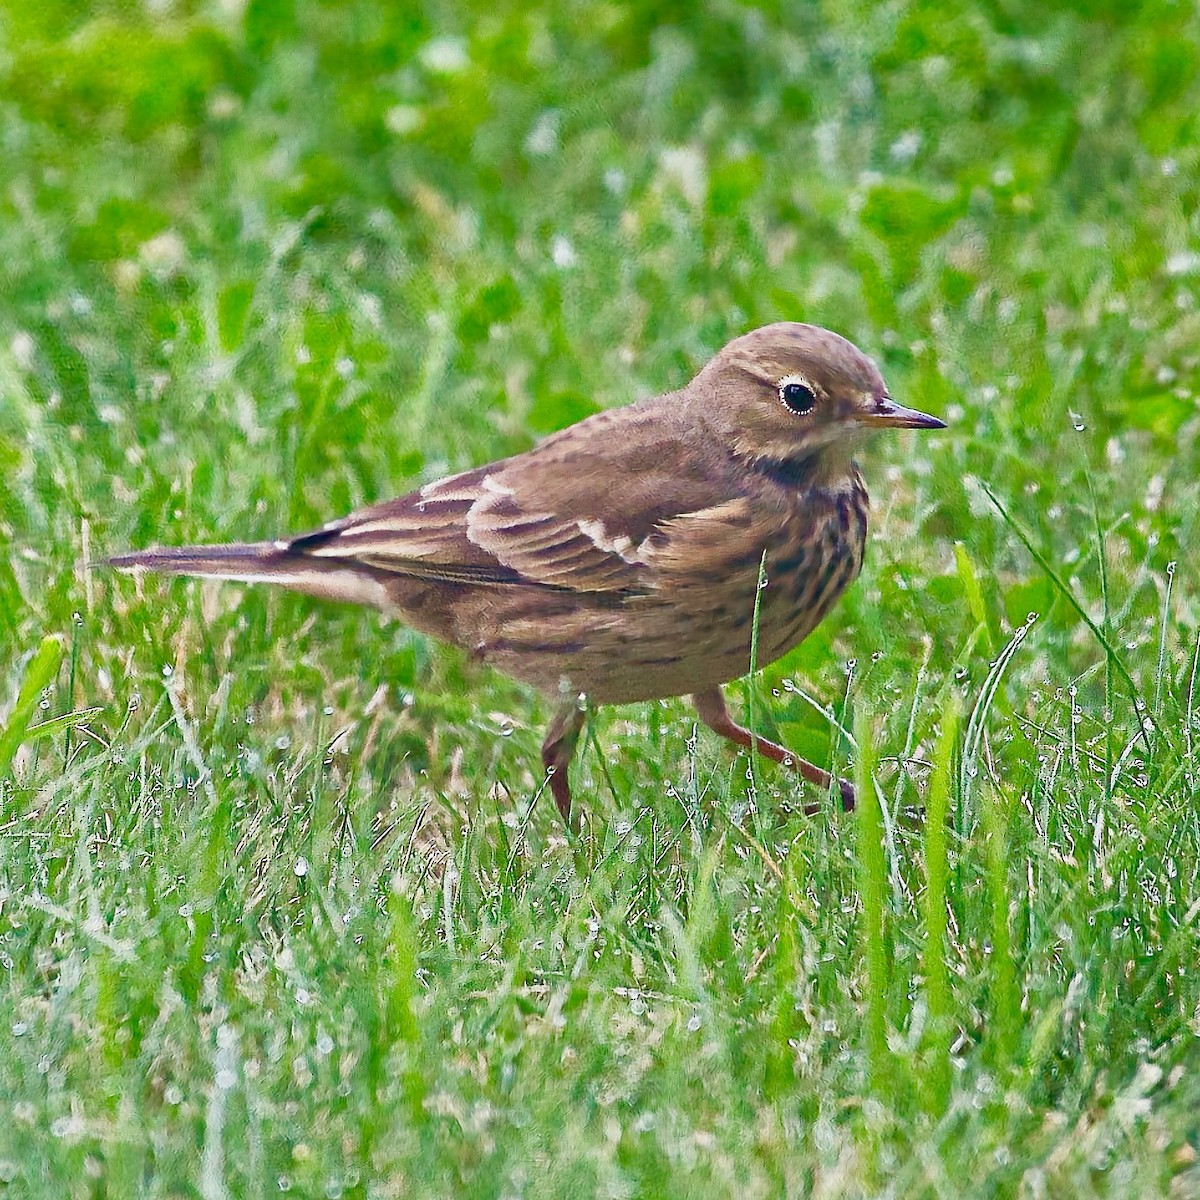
(619, 559)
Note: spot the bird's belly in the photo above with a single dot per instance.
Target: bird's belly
(678, 641)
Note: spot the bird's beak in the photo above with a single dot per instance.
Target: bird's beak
(886, 413)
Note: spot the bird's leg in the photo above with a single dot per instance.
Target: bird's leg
(557, 750)
(710, 706)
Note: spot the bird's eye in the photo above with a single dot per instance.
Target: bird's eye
(798, 397)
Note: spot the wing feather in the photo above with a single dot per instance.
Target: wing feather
(568, 515)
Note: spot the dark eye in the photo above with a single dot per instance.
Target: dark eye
(798, 397)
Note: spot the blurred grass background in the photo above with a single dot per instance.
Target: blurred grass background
(277, 913)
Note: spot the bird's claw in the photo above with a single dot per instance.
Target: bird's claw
(847, 790)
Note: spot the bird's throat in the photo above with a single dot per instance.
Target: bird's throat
(827, 470)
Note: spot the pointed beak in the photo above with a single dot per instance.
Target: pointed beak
(885, 412)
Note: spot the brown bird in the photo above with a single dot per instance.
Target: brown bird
(619, 559)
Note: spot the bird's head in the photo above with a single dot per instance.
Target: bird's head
(790, 391)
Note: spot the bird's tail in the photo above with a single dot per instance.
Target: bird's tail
(268, 562)
(250, 562)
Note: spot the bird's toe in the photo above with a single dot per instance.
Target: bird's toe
(847, 790)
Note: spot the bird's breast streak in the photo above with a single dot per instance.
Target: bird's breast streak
(814, 560)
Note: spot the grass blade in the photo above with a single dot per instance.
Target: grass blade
(872, 889)
(1070, 597)
(750, 686)
(1004, 993)
(969, 578)
(937, 974)
(39, 674)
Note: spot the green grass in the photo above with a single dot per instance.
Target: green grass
(278, 911)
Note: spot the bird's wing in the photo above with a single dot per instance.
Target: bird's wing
(603, 507)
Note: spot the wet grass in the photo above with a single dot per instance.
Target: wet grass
(282, 905)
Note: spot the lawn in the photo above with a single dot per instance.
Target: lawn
(283, 908)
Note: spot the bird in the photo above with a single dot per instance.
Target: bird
(641, 553)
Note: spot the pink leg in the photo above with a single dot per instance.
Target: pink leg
(557, 751)
(710, 706)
